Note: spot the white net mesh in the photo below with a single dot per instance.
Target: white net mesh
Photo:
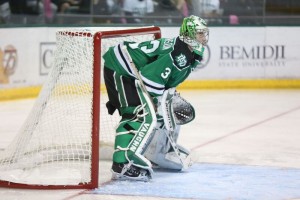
(54, 145)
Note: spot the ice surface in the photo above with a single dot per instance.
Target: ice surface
(260, 161)
(214, 181)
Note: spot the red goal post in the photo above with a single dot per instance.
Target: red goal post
(58, 145)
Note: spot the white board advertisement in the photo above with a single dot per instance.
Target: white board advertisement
(26, 54)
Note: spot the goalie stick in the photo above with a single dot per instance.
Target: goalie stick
(169, 121)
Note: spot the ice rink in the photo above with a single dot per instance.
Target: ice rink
(246, 144)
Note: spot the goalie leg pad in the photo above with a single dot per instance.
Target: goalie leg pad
(161, 154)
(133, 136)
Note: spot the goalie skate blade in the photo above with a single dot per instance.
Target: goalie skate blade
(117, 176)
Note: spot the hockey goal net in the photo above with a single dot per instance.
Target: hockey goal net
(58, 145)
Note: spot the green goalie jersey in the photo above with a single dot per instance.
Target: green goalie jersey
(162, 63)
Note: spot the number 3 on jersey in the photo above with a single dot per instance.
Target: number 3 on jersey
(166, 73)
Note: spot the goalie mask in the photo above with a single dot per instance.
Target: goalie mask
(195, 33)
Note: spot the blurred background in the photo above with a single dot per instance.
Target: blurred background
(148, 12)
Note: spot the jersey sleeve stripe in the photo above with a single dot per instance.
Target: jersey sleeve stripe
(122, 60)
(152, 83)
(152, 90)
(152, 86)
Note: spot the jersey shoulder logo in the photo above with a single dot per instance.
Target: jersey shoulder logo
(181, 60)
(168, 43)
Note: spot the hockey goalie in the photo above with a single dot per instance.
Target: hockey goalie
(140, 79)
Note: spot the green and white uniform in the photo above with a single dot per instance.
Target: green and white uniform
(162, 64)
